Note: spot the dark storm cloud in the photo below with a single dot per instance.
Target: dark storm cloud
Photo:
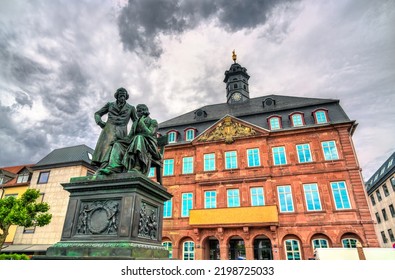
(15, 66)
(142, 22)
(17, 144)
(65, 94)
(41, 75)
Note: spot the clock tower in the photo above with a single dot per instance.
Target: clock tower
(236, 79)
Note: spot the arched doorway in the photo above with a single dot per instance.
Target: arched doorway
(213, 248)
(262, 248)
(237, 250)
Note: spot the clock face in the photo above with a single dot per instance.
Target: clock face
(236, 96)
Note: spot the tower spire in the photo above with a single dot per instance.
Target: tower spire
(236, 79)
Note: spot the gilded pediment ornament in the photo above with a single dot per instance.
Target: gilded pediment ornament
(227, 130)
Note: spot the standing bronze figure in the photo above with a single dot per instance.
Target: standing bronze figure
(138, 149)
(118, 115)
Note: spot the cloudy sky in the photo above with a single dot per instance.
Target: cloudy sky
(60, 61)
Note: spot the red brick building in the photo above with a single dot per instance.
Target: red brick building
(270, 177)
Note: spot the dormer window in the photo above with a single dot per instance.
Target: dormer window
(274, 122)
(297, 119)
(172, 137)
(190, 134)
(320, 116)
(23, 177)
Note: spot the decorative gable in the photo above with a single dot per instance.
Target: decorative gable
(228, 129)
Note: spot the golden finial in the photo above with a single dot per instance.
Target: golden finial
(234, 56)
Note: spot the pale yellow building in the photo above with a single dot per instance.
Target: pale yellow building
(381, 191)
(14, 181)
(48, 174)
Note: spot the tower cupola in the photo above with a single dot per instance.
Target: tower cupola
(236, 79)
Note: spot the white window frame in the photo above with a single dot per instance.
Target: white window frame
(185, 199)
(172, 137)
(255, 155)
(332, 152)
(187, 165)
(208, 195)
(232, 198)
(188, 137)
(286, 191)
(256, 196)
(233, 159)
(311, 192)
(207, 157)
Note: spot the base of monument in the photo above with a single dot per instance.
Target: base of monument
(112, 217)
(104, 251)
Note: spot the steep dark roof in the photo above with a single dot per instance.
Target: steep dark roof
(381, 175)
(256, 112)
(65, 157)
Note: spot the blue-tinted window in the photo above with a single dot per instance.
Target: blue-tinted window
(330, 151)
(43, 177)
(169, 247)
(233, 198)
(312, 197)
(230, 160)
(285, 199)
(340, 195)
(279, 156)
(209, 162)
(187, 204)
(210, 199)
(257, 197)
(187, 165)
(297, 120)
(320, 243)
(320, 117)
(253, 157)
(190, 134)
(172, 137)
(167, 209)
(188, 250)
(304, 154)
(349, 243)
(168, 167)
(292, 249)
(275, 123)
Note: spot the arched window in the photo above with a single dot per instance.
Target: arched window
(320, 116)
(190, 134)
(297, 119)
(172, 137)
(292, 249)
(188, 250)
(320, 243)
(274, 122)
(169, 247)
(349, 242)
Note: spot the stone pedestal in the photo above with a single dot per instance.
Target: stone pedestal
(112, 217)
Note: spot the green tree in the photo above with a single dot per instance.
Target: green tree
(24, 211)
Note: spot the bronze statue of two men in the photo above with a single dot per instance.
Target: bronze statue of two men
(118, 151)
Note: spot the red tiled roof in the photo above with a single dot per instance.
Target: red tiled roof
(15, 170)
